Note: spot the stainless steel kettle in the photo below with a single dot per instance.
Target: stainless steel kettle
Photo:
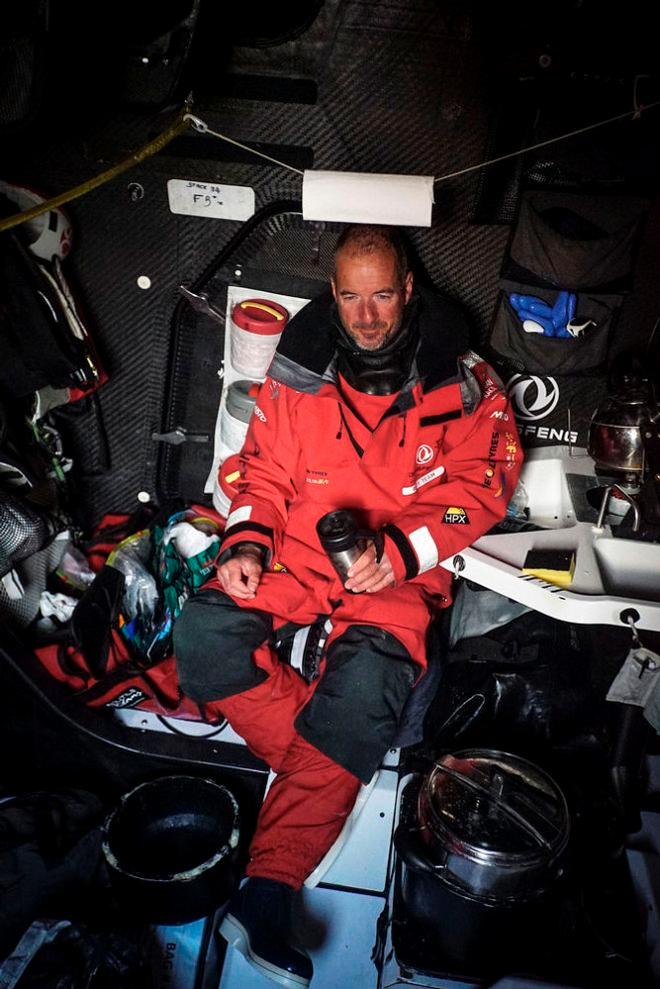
(615, 434)
(617, 431)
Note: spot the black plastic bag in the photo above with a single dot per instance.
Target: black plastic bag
(50, 850)
(57, 954)
(521, 687)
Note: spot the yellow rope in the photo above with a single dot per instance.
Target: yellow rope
(145, 152)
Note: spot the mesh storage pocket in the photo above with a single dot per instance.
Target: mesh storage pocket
(536, 353)
(575, 242)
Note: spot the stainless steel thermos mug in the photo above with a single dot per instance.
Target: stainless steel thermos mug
(341, 540)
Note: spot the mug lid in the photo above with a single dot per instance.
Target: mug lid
(261, 316)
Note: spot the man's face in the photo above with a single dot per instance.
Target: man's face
(370, 296)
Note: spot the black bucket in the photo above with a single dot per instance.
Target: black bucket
(170, 847)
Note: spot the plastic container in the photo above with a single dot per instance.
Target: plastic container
(236, 412)
(256, 327)
(220, 500)
(226, 484)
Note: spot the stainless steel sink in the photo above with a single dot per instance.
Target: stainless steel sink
(629, 568)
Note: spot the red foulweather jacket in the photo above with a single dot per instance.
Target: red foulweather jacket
(436, 473)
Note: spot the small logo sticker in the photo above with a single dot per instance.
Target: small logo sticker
(533, 397)
(424, 454)
(129, 698)
(456, 516)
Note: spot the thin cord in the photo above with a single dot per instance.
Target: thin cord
(186, 734)
(203, 128)
(636, 113)
(156, 145)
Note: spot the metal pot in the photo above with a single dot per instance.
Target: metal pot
(493, 824)
(481, 859)
(170, 847)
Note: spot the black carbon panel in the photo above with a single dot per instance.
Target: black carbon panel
(402, 87)
(280, 247)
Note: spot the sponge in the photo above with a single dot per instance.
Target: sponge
(556, 566)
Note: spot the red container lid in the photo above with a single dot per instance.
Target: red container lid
(230, 474)
(260, 316)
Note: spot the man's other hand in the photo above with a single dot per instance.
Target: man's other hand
(239, 576)
(366, 574)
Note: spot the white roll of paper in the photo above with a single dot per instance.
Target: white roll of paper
(361, 197)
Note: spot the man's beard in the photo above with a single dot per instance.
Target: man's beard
(376, 344)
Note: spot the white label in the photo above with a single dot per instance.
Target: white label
(222, 202)
(424, 479)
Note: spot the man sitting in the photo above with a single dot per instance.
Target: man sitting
(373, 404)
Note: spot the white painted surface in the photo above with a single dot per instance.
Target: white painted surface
(629, 568)
(596, 596)
(362, 862)
(148, 721)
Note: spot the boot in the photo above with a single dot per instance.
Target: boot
(258, 924)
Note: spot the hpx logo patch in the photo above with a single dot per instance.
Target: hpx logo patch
(456, 516)
(424, 454)
(532, 397)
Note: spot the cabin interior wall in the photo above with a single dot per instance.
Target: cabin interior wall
(409, 86)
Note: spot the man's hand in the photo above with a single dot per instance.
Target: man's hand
(368, 575)
(239, 576)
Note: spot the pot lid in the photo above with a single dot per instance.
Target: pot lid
(492, 805)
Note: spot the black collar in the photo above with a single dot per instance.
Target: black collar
(307, 354)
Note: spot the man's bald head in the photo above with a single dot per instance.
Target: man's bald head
(362, 240)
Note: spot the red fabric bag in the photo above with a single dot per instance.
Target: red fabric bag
(97, 663)
(123, 684)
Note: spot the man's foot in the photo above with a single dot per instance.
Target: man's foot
(258, 924)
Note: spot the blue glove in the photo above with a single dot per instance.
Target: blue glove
(537, 316)
(534, 314)
(562, 313)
